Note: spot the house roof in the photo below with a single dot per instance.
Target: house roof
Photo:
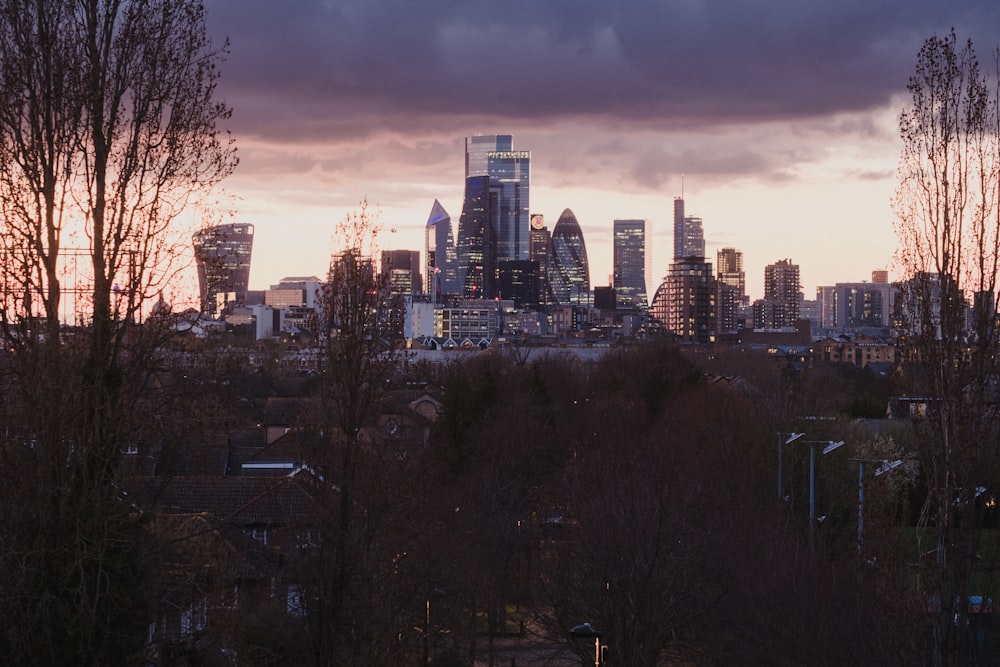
(242, 501)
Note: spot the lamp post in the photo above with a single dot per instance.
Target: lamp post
(432, 594)
(587, 631)
(828, 447)
(784, 439)
(884, 467)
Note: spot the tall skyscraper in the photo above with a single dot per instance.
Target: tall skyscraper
(222, 255)
(540, 243)
(689, 236)
(780, 305)
(569, 270)
(632, 262)
(518, 282)
(510, 179)
(401, 271)
(732, 287)
(478, 148)
(477, 260)
(509, 172)
(441, 259)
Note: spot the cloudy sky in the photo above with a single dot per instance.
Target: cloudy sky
(779, 117)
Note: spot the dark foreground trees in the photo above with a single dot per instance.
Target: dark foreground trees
(108, 130)
(948, 222)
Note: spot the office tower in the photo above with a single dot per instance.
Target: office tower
(631, 262)
(440, 253)
(294, 291)
(509, 172)
(780, 306)
(222, 255)
(478, 148)
(732, 286)
(401, 271)
(510, 179)
(477, 263)
(568, 270)
(519, 282)
(689, 237)
(538, 251)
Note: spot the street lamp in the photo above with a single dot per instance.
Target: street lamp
(784, 439)
(432, 594)
(587, 631)
(884, 467)
(828, 447)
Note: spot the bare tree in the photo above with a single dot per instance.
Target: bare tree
(345, 569)
(108, 131)
(948, 224)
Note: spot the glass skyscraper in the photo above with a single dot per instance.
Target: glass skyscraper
(510, 179)
(568, 270)
(441, 258)
(478, 148)
(509, 174)
(477, 261)
(632, 262)
(222, 255)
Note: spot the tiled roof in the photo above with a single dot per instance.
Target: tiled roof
(242, 501)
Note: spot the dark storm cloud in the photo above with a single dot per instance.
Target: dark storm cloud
(349, 67)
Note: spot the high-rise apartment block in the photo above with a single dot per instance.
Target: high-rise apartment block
(632, 262)
(732, 288)
(856, 305)
(685, 301)
(222, 255)
(780, 306)
(689, 235)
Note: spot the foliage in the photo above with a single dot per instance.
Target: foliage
(948, 223)
(108, 130)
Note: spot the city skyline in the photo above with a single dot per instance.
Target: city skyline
(777, 122)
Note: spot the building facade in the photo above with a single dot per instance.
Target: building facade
(401, 271)
(222, 255)
(540, 241)
(477, 263)
(632, 263)
(510, 180)
(856, 305)
(568, 268)
(780, 306)
(685, 302)
(731, 282)
(689, 234)
(509, 174)
(441, 260)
